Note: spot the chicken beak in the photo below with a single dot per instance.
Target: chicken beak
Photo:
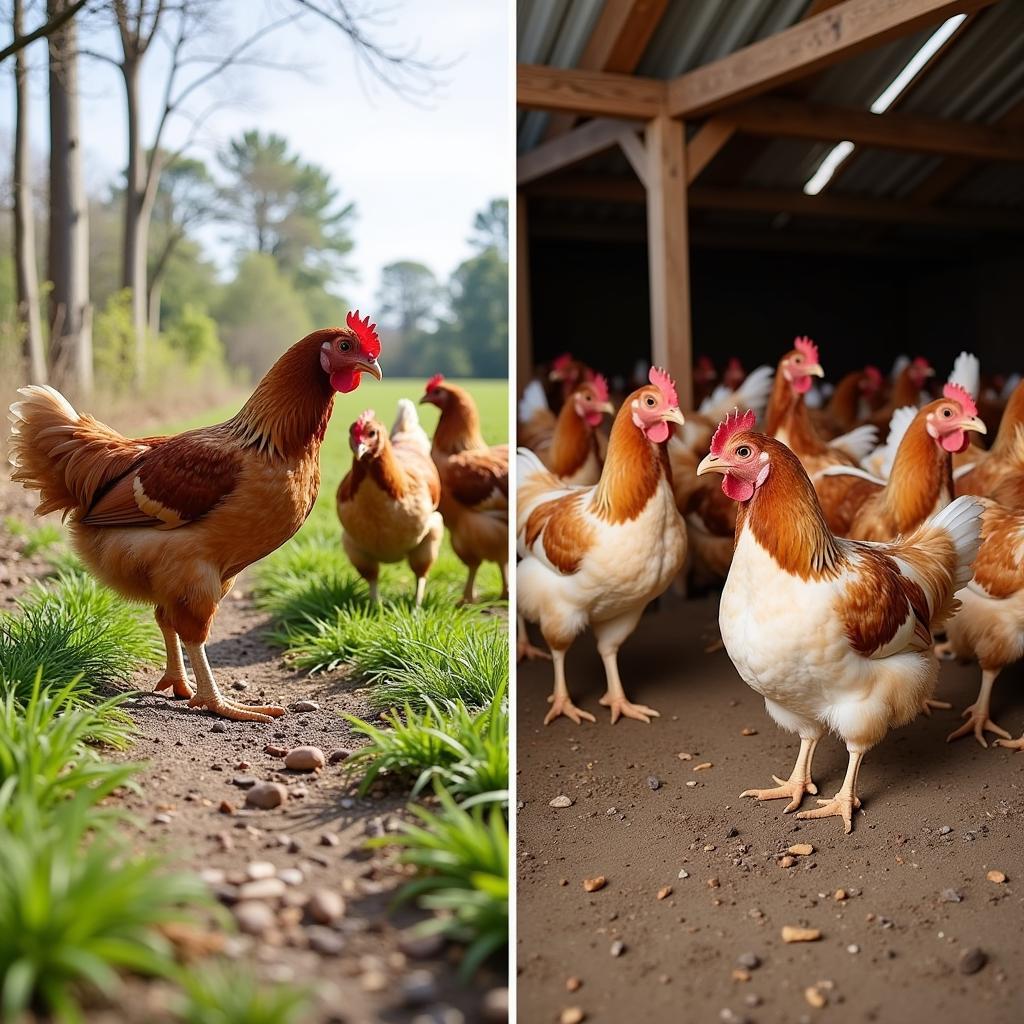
(974, 423)
(673, 415)
(606, 407)
(361, 450)
(372, 367)
(814, 370)
(710, 464)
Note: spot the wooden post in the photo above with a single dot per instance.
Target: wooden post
(524, 327)
(668, 253)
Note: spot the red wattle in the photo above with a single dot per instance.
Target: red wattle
(955, 441)
(801, 384)
(345, 380)
(657, 432)
(592, 419)
(736, 488)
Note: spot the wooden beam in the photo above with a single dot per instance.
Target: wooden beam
(616, 43)
(780, 117)
(952, 172)
(773, 201)
(706, 145)
(636, 153)
(810, 45)
(548, 157)
(590, 93)
(668, 253)
(524, 324)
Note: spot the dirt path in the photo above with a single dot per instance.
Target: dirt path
(191, 807)
(936, 819)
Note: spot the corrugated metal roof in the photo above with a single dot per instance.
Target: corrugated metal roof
(979, 78)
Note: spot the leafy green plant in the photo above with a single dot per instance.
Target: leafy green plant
(467, 751)
(462, 857)
(47, 753)
(35, 539)
(77, 908)
(72, 628)
(223, 993)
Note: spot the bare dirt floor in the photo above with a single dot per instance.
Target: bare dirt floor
(688, 925)
(363, 964)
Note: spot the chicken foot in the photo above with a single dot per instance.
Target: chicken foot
(1017, 745)
(610, 637)
(174, 677)
(977, 715)
(842, 805)
(209, 696)
(560, 701)
(798, 783)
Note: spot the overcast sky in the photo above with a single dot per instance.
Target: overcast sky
(416, 171)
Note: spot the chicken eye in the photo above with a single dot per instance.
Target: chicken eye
(650, 401)
(743, 452)
(947, 413)
(373, 434)
(344, 346)
(798, 359)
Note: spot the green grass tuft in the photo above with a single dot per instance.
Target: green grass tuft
(77, 907)
(462, 855)
(467, 752)
(74, 628)
(223, 993)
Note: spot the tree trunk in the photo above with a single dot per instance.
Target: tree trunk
(136, 219)
(68, 255)
(24, 222)
(156, 287)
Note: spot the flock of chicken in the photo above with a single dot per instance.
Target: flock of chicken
(842, 559)
(172, 520)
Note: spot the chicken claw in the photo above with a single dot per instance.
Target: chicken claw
(622, 708)
(944, 651)
(977, 723)
(236, 712)
(1017, 745)
(524, 649)
(930, 705)
(794, 789)
(179, 684)
(564, 706)
(841, 805)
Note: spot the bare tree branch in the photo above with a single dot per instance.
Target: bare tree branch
(46, 29)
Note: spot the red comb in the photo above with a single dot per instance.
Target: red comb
(921, 361)
(600, 386)
(365, 332)
(561, 362)
(956, 393)
(873, 373)
(436, 381)
(664, 383)
(807, 347)
(360, 425)
(732, 424)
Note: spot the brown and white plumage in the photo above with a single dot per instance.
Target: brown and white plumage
(596, 556)
(834, 634)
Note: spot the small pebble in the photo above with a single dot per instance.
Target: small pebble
(291, 876)
(326, 941)
(419, 988)
(306, 705)
(801, 849)
(793, 933)
(748, 731)
(258, 869)
(218, 727)
(703, 767)
(339, 755)
(853, 948)
(751, 961)
(593, 884)
(951, 896)
(253, 918)
(664, 892)
(266, 795)
(944, 830)
(275, 751)
(787, 861)
(653, 782)
(572, 1015)
(815, 997)
(495, 1006)
(713, 883)
(305, 759)
(561, 801)
(996, 876)
(573, 984)
(683, 873)
(685, 757)
(972, 960)
(839, 895)
(325, 906)
(262, 889)
(421, 947)
(618, 947)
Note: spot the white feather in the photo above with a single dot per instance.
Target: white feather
(967, 373)
(534, 400)
(856, 471)
(881, 459)
(753, 393)
(858, 442)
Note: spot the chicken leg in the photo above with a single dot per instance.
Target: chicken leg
(843, 803)
(798, 783)
(209, 696)
(610, 637)
(1017, 745)
(560, 701)
(977, 715)
(469, 592)
(525, 649)
(174, 677)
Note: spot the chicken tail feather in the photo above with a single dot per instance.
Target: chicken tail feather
(64, 455)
